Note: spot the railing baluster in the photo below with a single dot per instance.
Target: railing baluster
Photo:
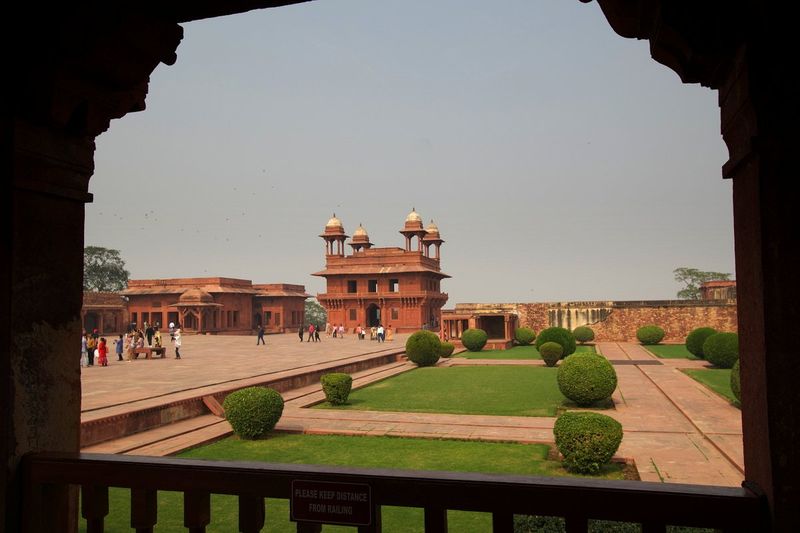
(435, 520)
(651, 527)
(308, 527)
(196, 511)
(576, 524)
(375, 526)
(144, 510)
(502, 522)
(94, 507)
(251, 513)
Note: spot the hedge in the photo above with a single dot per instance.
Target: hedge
(561, 336)
(423, 348)
(587, 440)
(651, 334)
(586, 378)
(253, 411)
(695, 340)
(551, 352)
(447, 349)
(583, 334)
(336, 386)
(524, 336)
(474, 339)
(722, 349)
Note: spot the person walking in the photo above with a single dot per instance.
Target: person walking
(316, 335)
(260, 336)
(381, 333)
(157, 338)
(149, 332)
(341, 331)
(91, 344)
(178, 341)
(84, 356)
(300, 333)
(118, 345)
(310, 332)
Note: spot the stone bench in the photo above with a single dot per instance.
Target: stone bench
(148, 352)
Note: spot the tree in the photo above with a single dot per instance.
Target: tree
(315, 314)
(693, 278)
(103, 270)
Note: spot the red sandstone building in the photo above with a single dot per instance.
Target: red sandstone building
(215, 305)
(718, 290)
(397, 287)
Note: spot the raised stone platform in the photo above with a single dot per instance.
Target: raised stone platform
(128, 398)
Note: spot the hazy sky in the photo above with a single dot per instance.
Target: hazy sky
(558, 159)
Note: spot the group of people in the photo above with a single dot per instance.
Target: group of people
(376, 333)
(313, 333)
(95, 347)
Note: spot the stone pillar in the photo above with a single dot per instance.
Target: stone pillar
(762, 139)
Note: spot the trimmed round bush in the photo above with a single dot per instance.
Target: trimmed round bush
(560, 336)
(651, 334)
(423, 348)
(587, 440)
(586, 378)
(695, 340)
(722, 349)
(253, 411)
(447, 349)
(583, 334)
(551, 352)
(336, 386)
(524, 336)
(736, 386)
(474, 339)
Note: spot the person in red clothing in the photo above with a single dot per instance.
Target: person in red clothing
(310, 332)
(102, 352)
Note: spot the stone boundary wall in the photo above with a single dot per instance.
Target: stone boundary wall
(619, 320)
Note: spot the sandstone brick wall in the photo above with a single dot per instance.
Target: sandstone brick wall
(618, 321)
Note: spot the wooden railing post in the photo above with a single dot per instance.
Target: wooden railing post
(576, 524)
(375, 526)
(502, 522)
(435, 520)
(251, 513)
(94, 507)
(144, 510)
(196, 511)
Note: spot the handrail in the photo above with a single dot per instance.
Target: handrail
(576, 499)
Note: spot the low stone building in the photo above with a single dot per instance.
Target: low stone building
(200, 305)
(718, 290)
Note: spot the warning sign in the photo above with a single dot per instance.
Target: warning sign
(347, 504)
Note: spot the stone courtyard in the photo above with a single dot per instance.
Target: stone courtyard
(676, 430)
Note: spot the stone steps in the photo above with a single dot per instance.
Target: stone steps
(172, 438)
(121, 420)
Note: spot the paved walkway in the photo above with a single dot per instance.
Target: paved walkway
(676, 430)
(208, 360)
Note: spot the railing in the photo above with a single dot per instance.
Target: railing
(380, 294)
(654, 505)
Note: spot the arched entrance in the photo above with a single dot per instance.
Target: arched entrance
(373, 315)
(91, 322)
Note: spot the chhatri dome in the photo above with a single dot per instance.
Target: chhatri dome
(432, 229)
(334, 222)
(413, 216)
(360, 232)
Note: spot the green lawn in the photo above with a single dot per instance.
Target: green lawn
(380, 452)
(517, 352)
(484, 390)
(716, 379)
(670, 351)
